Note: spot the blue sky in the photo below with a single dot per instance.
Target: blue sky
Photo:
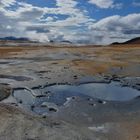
(79, 21)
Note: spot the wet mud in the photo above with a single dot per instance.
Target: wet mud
(17, 78)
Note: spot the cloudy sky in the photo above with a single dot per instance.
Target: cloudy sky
(79, 21)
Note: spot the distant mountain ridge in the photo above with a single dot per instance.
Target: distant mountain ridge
(24, 39)
(132, 41)
(11, 38)
(61, 41)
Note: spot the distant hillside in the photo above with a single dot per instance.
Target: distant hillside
(132, 41)
(11, 38)
(61, 42)
(66, 41)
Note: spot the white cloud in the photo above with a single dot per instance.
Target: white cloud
(34, 36)
(102, 3)
(116, 27)
(118, 23)
(106, 4)
(7, 2)
(27, 19)
(66, 4)
(37, 23)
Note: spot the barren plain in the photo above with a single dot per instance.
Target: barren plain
(70, 92)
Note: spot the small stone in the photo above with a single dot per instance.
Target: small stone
(20, 101)
(32, 107)
(44, 116)
(101, 102)
(52, 110)
(90, 99)
(75, 76)
(51, 106)
(56, 123)
(73, 97)
(5, 91)
(92, 104)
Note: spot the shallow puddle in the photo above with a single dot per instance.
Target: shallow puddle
(104, 91)
(24, 96)
(58, 94)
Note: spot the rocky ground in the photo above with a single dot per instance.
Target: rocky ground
(32, 69)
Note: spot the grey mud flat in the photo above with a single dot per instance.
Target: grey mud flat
(79, 118)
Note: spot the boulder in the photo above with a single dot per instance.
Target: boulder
(5, 91)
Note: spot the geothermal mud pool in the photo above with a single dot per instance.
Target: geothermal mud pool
(49, 98)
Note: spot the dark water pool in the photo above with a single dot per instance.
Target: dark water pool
(58, 94)
(104, 91)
